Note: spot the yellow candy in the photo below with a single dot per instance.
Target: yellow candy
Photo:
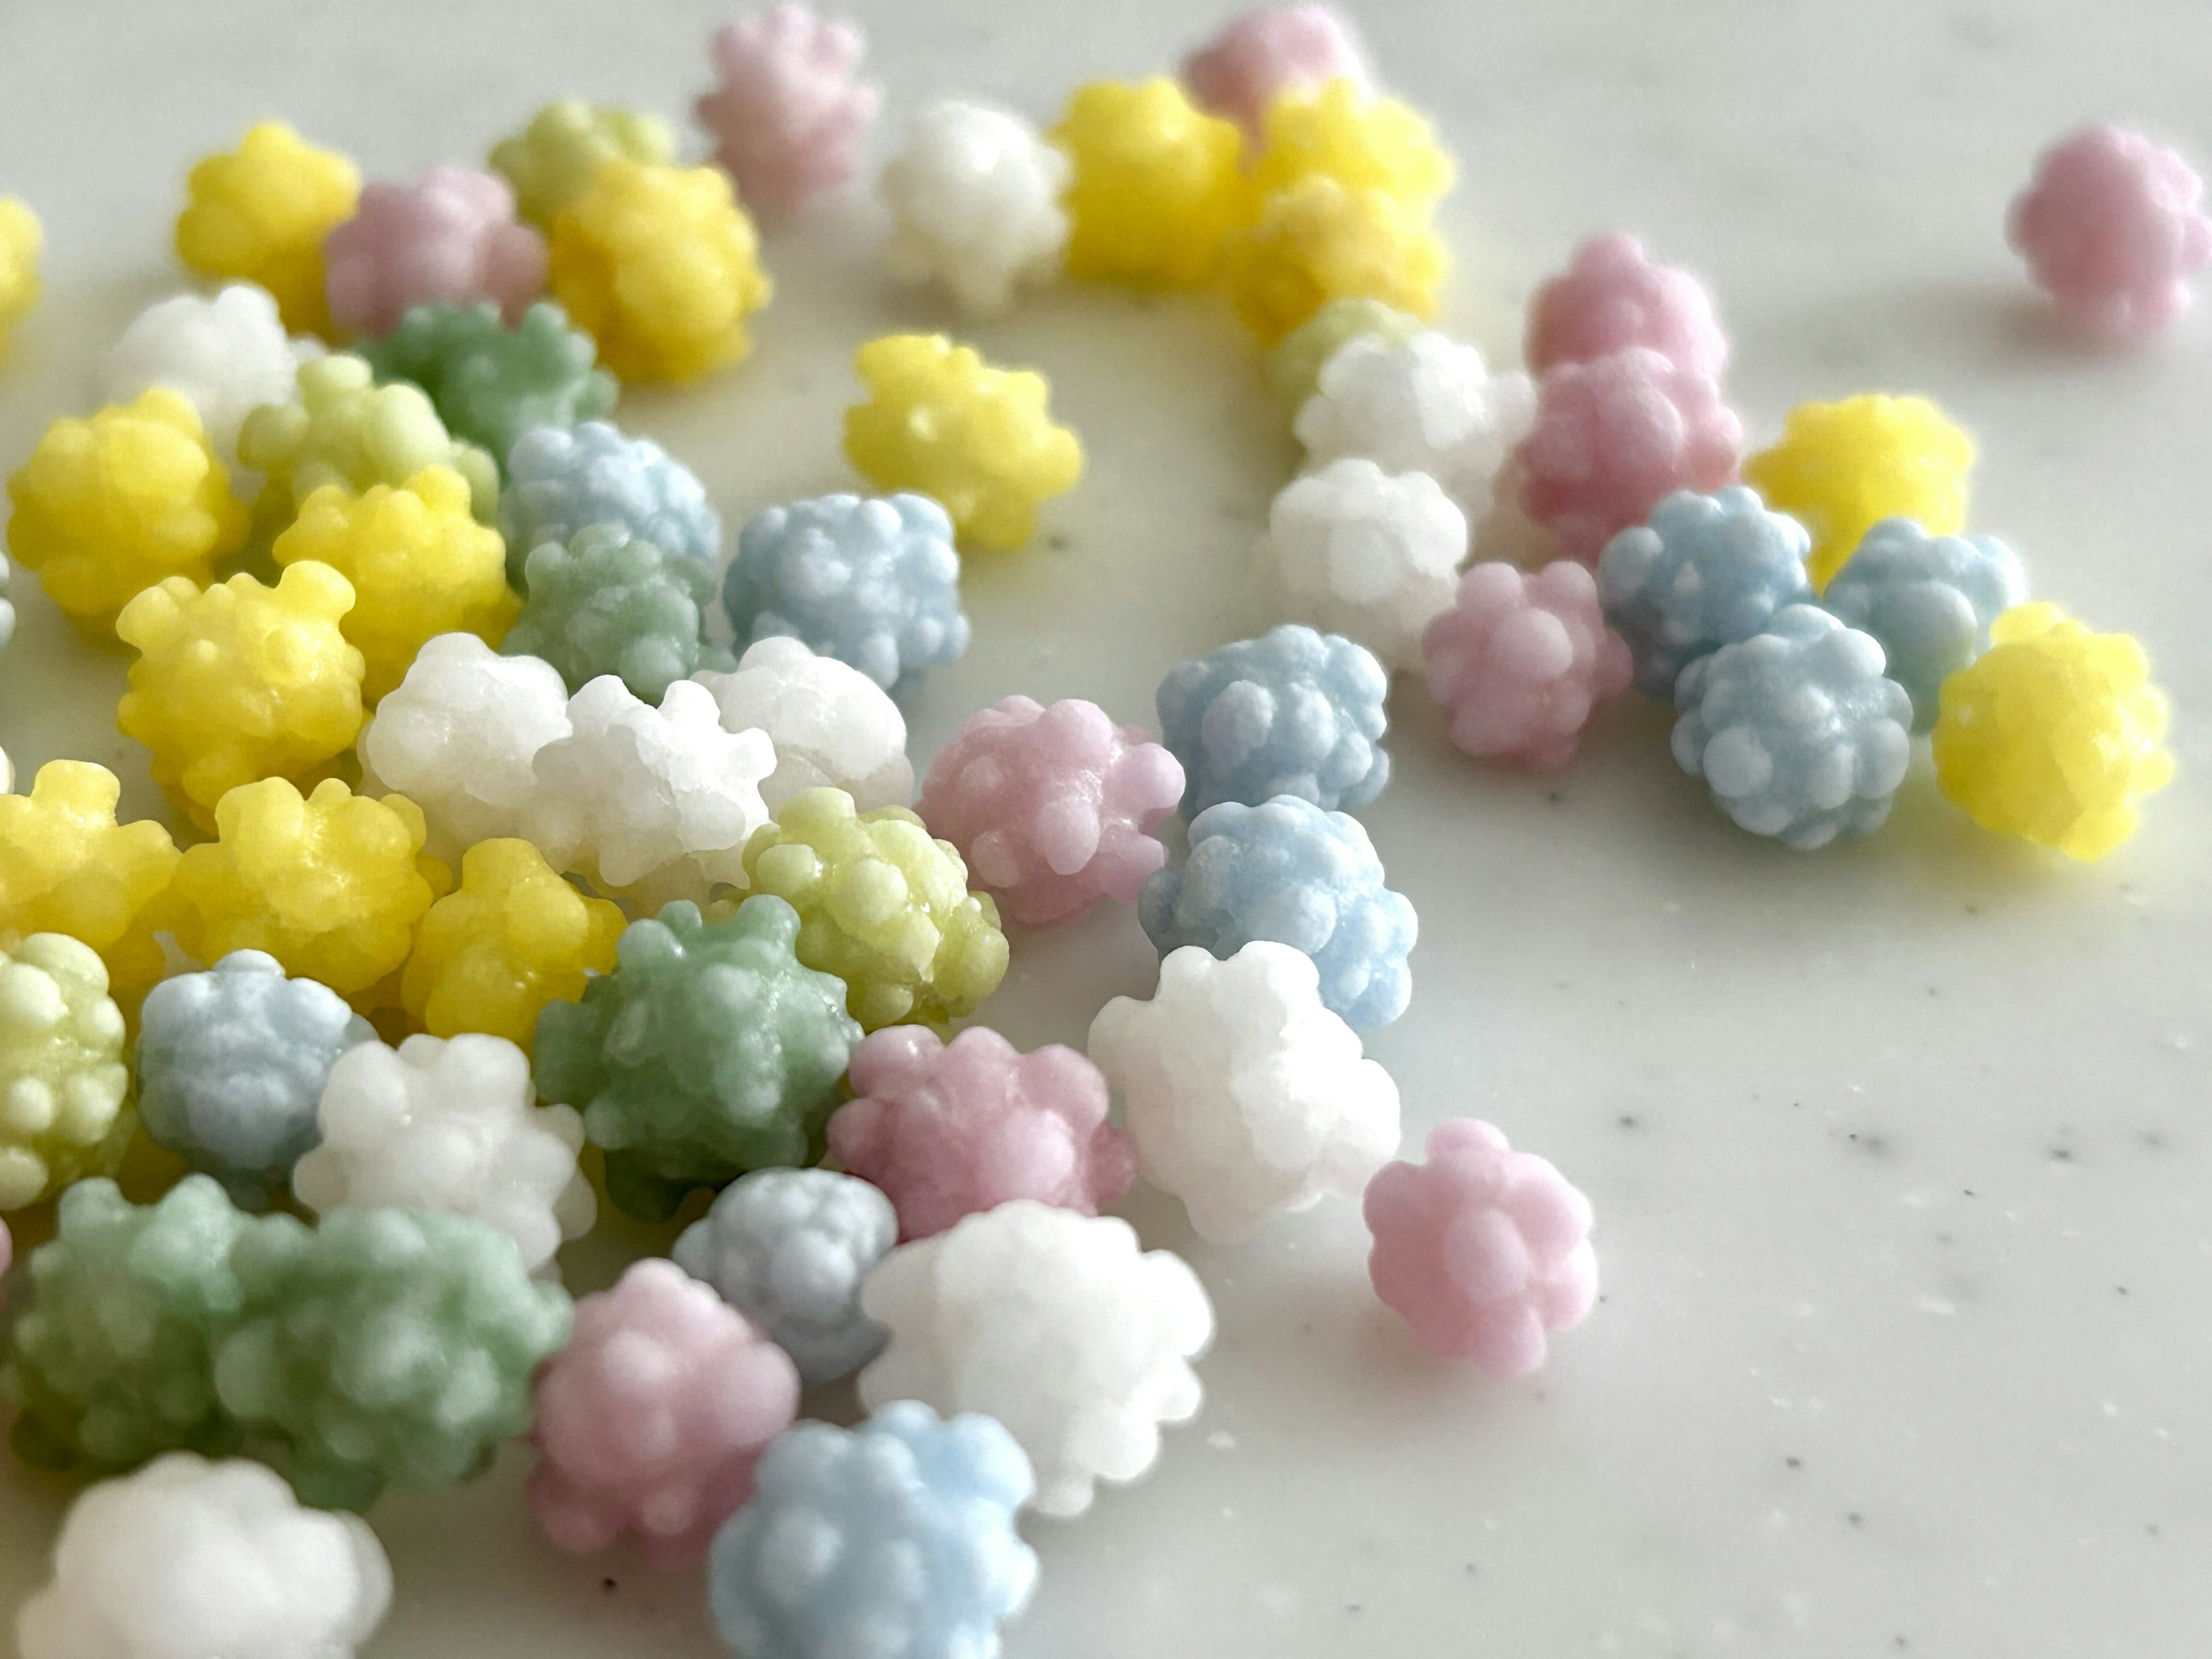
(21, 289)
(553, 160)
(420, 566)
(1357, 139)
(109, 506)
(511, 938)
(1154, 185)
(261, 212)
(977, 440)
(67, 866)
(240, 681)
(2052, 733)
(660, 266)
(1841, 468)
(1320, 240)
(331, 885)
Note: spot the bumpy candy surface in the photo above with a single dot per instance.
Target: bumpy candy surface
(186, 1559)
(951, 1129)
(1295, 363)
(1703, 572)
(1483, 1249)
(1928, 600)
(492, 382)
(1154, 188)
(240, 681)
(1244, 1094)
(452, 237)
(873, 581)
(560, 481)
(553, 160)
(62, 1077)
(1267, 52)
(2113, 228)
(976, 440)
(897, 1536)
(788, 113)
(111, 505)
(1797, 730)
(883, 907)
(789, 1249)
(1841, 468)
(831, 725)
(652, 1418)
(2053, 732)
(22, 239)
(607, 603)
(1521, 661)
(67, 866)
(660, 265)
(227, 354)
(1365, 553)
(261, 213)
(1292, 713)
(975, 204)
(710, 1050)
(1053, 809)
(1320, 240)
(231, 1067)
(1287, 870)
(1611, 296)
(1343, 132)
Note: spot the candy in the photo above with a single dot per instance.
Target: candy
(1290, 873)
(652, 1419)
(231, 1067)
(954, 1129)
(787, 113)
(227, 356)
(2052, 733)
(261, 213)
(831, 725)
(1610, 297)
(7, 1258)
(1841, 468)
(874, 583)
(21, 239)
(708, 1051)
(1293, 713)
(1320, 240)
(1483, 1249)
(1341, 130)
(2112, 228)
(1613, 437)
(789, 1248)
(1053, 1323)
(1703, 572)
(1365, 553)
(67, 866)
(1795, 730)
(1928, 600)
(1267, 52)
(241, 682)
(6, 633)
(977, 440)
(188, 1559)
(660, 266)
(883, 907)
(897, 1536)
(975, 204)
(1053, 809)
(452, 237)
(553, 160)
(559, 481)
(492, 384)
(1245, 1096)
(61, 1076)
(608, 602)
(107, 506)
(1522, 661)
(1296, 361)
(511, 938)
(1153, 189)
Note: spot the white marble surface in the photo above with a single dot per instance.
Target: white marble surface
(1899, 1152)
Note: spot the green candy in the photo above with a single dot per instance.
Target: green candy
(1294, 366)
(553, 160)
(608, 602)
(491, 383)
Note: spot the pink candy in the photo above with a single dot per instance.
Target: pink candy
(951, 1129)
(788, 116)
(1612, 297)
(1265, 53)
(652, 1418)
(1612, 437)
(1482, 1249)
(1052, 808)
(451, 237)
(2111, 228)
(1521, 661)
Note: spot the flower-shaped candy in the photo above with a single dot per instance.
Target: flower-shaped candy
(1929, 600)
(975, 204)
(261, 213)
(1296, 361)
(553, 160)
(1322, 239)
(1341, 130)
(228, 354)
(831, 725)
(452, 237)
(1521, 661)
(61, 1076)
(1265, 52)
(788, 114)
(2113, 228)
(609, 604)
(492, 383)
(1365, 553)
(1611, 297)
(1153, 188)
(67, 866)
(560, 482)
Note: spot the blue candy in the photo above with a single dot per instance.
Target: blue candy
(1292, 713)
(896, 1539)
(559, 480)
(1290, 873)
(1702, 572)
(1797, 730)
(1929, 600)
(608, 602)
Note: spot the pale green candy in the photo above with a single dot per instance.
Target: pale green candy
(62, 1077)
(491, 383)
(612, 602)
(1294, 366)
(553, 160)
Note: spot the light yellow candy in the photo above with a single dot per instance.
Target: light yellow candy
(67, 866)
(261, 212)
(978, 440)
(1343, 130)
(20, 286)
(2052, 733)
(62, 1077)
(553, 160)
(239, 681)
(1320, 240)
(1153, 187)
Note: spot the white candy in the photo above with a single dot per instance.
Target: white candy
(831, 723)
(1244, 1094)
(447, 1124)
(228, 355)
(974, 201)
(1355, 551)
(190, 1559)
(652, 803)
(457, 738)
(1052, 1322)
